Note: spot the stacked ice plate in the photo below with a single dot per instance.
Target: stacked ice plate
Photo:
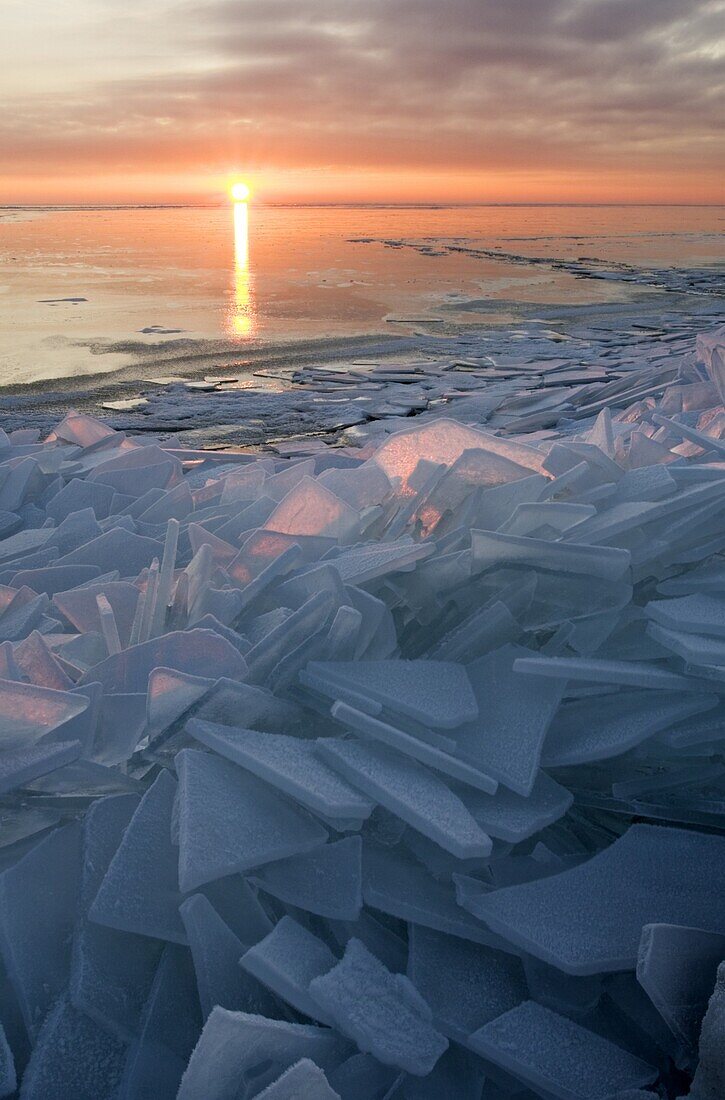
(393, 771)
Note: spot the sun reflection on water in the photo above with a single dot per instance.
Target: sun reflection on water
(241, 320)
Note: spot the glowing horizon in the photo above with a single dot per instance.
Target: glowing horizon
(421, 101)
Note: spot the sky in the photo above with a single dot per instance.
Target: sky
(362, 100)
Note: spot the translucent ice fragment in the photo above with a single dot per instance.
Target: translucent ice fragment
(302, 1081)
(409, 791)
(21, 766)
(395, 883)
(515, 712)
(231, 821)
(595, 670)
(288, 763)
(581, 733)
(79, 606)
(311, 509)
(28, 713)
(74, 1058)
(199, 652)
(369, 561)
(551, 1053)
(38, 898)
(677, 968)
(491, 549)
(326, 881)
(55, 578)
(216, 952)
(286, 961)
(233, 1044)
(170, 1027)
(697, 614)
(382, 1012)
(436, 693)
(116, 549)
(111, 971)
(589, 918)
(513, 817)
(170, 695)
(465, 984)
(140, 890)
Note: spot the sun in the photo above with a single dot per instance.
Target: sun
(240, 192)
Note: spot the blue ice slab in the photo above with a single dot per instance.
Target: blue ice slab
(326, 881)
(395, 883)
(590, 918)
(410, 791)
(515, 712)
(582, 733)
(116, 549)
(8, 1076)
(21, 766)
(465, 984)
(233, 1043)
(554, 1055)
(382, 1012)
(199, 652)
(512, 817)
(28, 713)
(291, 764)
(140, 891)
(74, 1059)
(216, 952)
(302, 1081)
(436, 693)
(677, 968)
(286, 961)
(38, 899)
(700, 613)
(231, 821)
(111, 971)
(170, 1026)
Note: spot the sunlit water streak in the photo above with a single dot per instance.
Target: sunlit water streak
(242, 315)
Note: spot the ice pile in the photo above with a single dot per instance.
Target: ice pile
(388, 771)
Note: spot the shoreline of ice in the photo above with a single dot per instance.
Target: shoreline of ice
(385, 760)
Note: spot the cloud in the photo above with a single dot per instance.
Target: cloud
(471, 85)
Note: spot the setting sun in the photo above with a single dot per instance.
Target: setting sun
(240, 192)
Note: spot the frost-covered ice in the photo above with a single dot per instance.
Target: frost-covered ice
(387, 765)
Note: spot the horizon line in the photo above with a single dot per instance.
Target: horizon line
(290, 204)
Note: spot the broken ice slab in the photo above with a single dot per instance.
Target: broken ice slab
(696, 614)
(695, 649)
(465, 984)
(444, 441)
(288, 763)
(302, 1081)
(116, 549)
(111, 971)
(286, 961)
(140, 890)
(396, 883)
(515, 712)
(234, 1043)
(598, 671)
(20, 767)
(55, 578)
(556, 1056)
(311, 509)
(28, 713)
(231, 821)
(677, 967)
(589, 918)
(382, 1012)
(415, 747)
(326, 881)
(370, 561)
(74, 1057)
(80, 607)
(170, 1026)
(581, 733)
(199, 652)
(513, 817)
(170, 695)
(216, 952)
(436, 693)
(38, 898)
(8, 1076)
(491, 549)
(409, 791)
